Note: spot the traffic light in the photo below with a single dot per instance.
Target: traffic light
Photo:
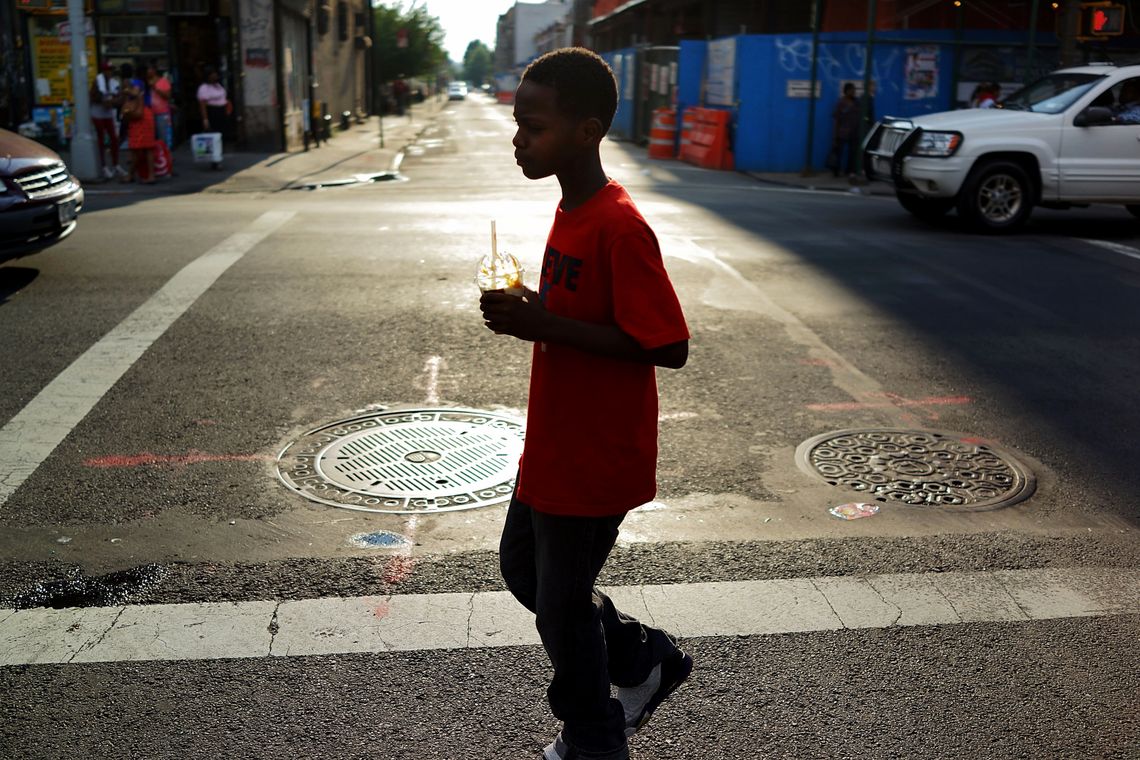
(1101, 20)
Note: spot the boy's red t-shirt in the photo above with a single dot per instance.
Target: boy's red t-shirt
(591, 439)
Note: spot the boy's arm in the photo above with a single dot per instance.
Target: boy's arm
(526, 319)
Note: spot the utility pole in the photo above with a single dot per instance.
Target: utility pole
(868, 68)
(1032, 51)
(1070, 29)
(816, 13)
(83, 161)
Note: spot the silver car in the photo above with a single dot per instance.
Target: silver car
(40, 200)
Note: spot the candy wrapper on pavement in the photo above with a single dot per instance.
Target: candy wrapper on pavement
(854, 510)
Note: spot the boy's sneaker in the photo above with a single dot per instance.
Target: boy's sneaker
(119, 171)
(639, 702)
(560, 750)
(108, 173)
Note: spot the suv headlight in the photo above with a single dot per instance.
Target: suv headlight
(937, 144)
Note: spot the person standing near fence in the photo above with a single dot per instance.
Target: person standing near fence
(845, 132)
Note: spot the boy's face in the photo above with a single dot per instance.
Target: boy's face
(546, 139)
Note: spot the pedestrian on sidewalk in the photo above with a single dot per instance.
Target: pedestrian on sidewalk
(215, 107)
(105, 99)
(604, 317)
(138, 121)
(159, 90)
(845, 132)
(400, 91)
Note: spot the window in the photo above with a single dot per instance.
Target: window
(324, 16)
(342, 20)
(133, 37)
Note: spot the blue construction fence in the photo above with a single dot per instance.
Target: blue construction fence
(913, 73)
(625, 63)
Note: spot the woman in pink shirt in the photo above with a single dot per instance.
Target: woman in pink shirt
(214, 104)
(160, 94)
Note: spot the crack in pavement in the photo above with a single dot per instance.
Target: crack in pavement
(470, 618)
(274, 627)
(885, 601)
(89, 645)
(828, 601)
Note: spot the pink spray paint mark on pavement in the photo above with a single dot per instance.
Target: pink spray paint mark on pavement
(398, 569)
(898, 402)
(148, 459)
(401, 565)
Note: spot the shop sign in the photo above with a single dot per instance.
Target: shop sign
(63, 29)
(720, 83)
(51, 63)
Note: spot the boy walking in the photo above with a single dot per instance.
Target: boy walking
(605, 315)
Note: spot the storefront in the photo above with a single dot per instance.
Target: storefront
(181, 38)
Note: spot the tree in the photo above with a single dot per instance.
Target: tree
(422, 54)
(477, 62)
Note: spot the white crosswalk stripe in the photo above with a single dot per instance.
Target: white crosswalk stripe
(412, 622)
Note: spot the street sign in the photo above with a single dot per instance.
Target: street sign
(801, 88)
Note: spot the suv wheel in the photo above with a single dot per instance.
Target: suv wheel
(1134, 210)
(926, 209)
(997, 197)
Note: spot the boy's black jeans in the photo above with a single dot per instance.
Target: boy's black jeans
(550, 564)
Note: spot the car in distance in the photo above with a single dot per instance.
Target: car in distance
(457, 91)
(1068, 139)
(40, 200)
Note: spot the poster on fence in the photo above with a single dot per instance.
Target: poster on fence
(921, 72)
(720, 81)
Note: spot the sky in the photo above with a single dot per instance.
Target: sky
(466, 20)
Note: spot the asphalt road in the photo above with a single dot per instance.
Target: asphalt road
(810, 311)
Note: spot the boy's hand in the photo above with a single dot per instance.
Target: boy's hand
(522, 317)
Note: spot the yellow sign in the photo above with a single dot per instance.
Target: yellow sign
(51, 60)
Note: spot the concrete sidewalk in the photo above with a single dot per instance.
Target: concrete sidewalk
(823, 180)
(348, 154)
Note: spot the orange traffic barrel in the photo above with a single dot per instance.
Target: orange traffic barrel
(688, 121)
(662, 133)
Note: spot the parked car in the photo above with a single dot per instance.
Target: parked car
(40, 200)
(457, 91)
(1066, 140)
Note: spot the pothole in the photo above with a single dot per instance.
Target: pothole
(919, 468)
(407, 461)
(109, 590)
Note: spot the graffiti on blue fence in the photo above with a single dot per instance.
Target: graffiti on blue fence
(838, 61)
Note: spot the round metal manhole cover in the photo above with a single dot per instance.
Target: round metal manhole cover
(918, 468)
(409, 460)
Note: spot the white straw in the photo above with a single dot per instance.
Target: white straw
(494, 256)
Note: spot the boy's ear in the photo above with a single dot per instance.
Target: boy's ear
(590, 130)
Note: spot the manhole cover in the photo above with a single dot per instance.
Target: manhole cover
(919, 468)
(410, 460)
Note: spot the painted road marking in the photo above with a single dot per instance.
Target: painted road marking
(412, 622)
(30, 437)
(1123, 250)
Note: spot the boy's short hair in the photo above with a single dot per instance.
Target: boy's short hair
(582, 79)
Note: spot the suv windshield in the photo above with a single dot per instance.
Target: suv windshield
(1051, 94)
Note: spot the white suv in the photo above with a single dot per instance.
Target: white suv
(1069, 139)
